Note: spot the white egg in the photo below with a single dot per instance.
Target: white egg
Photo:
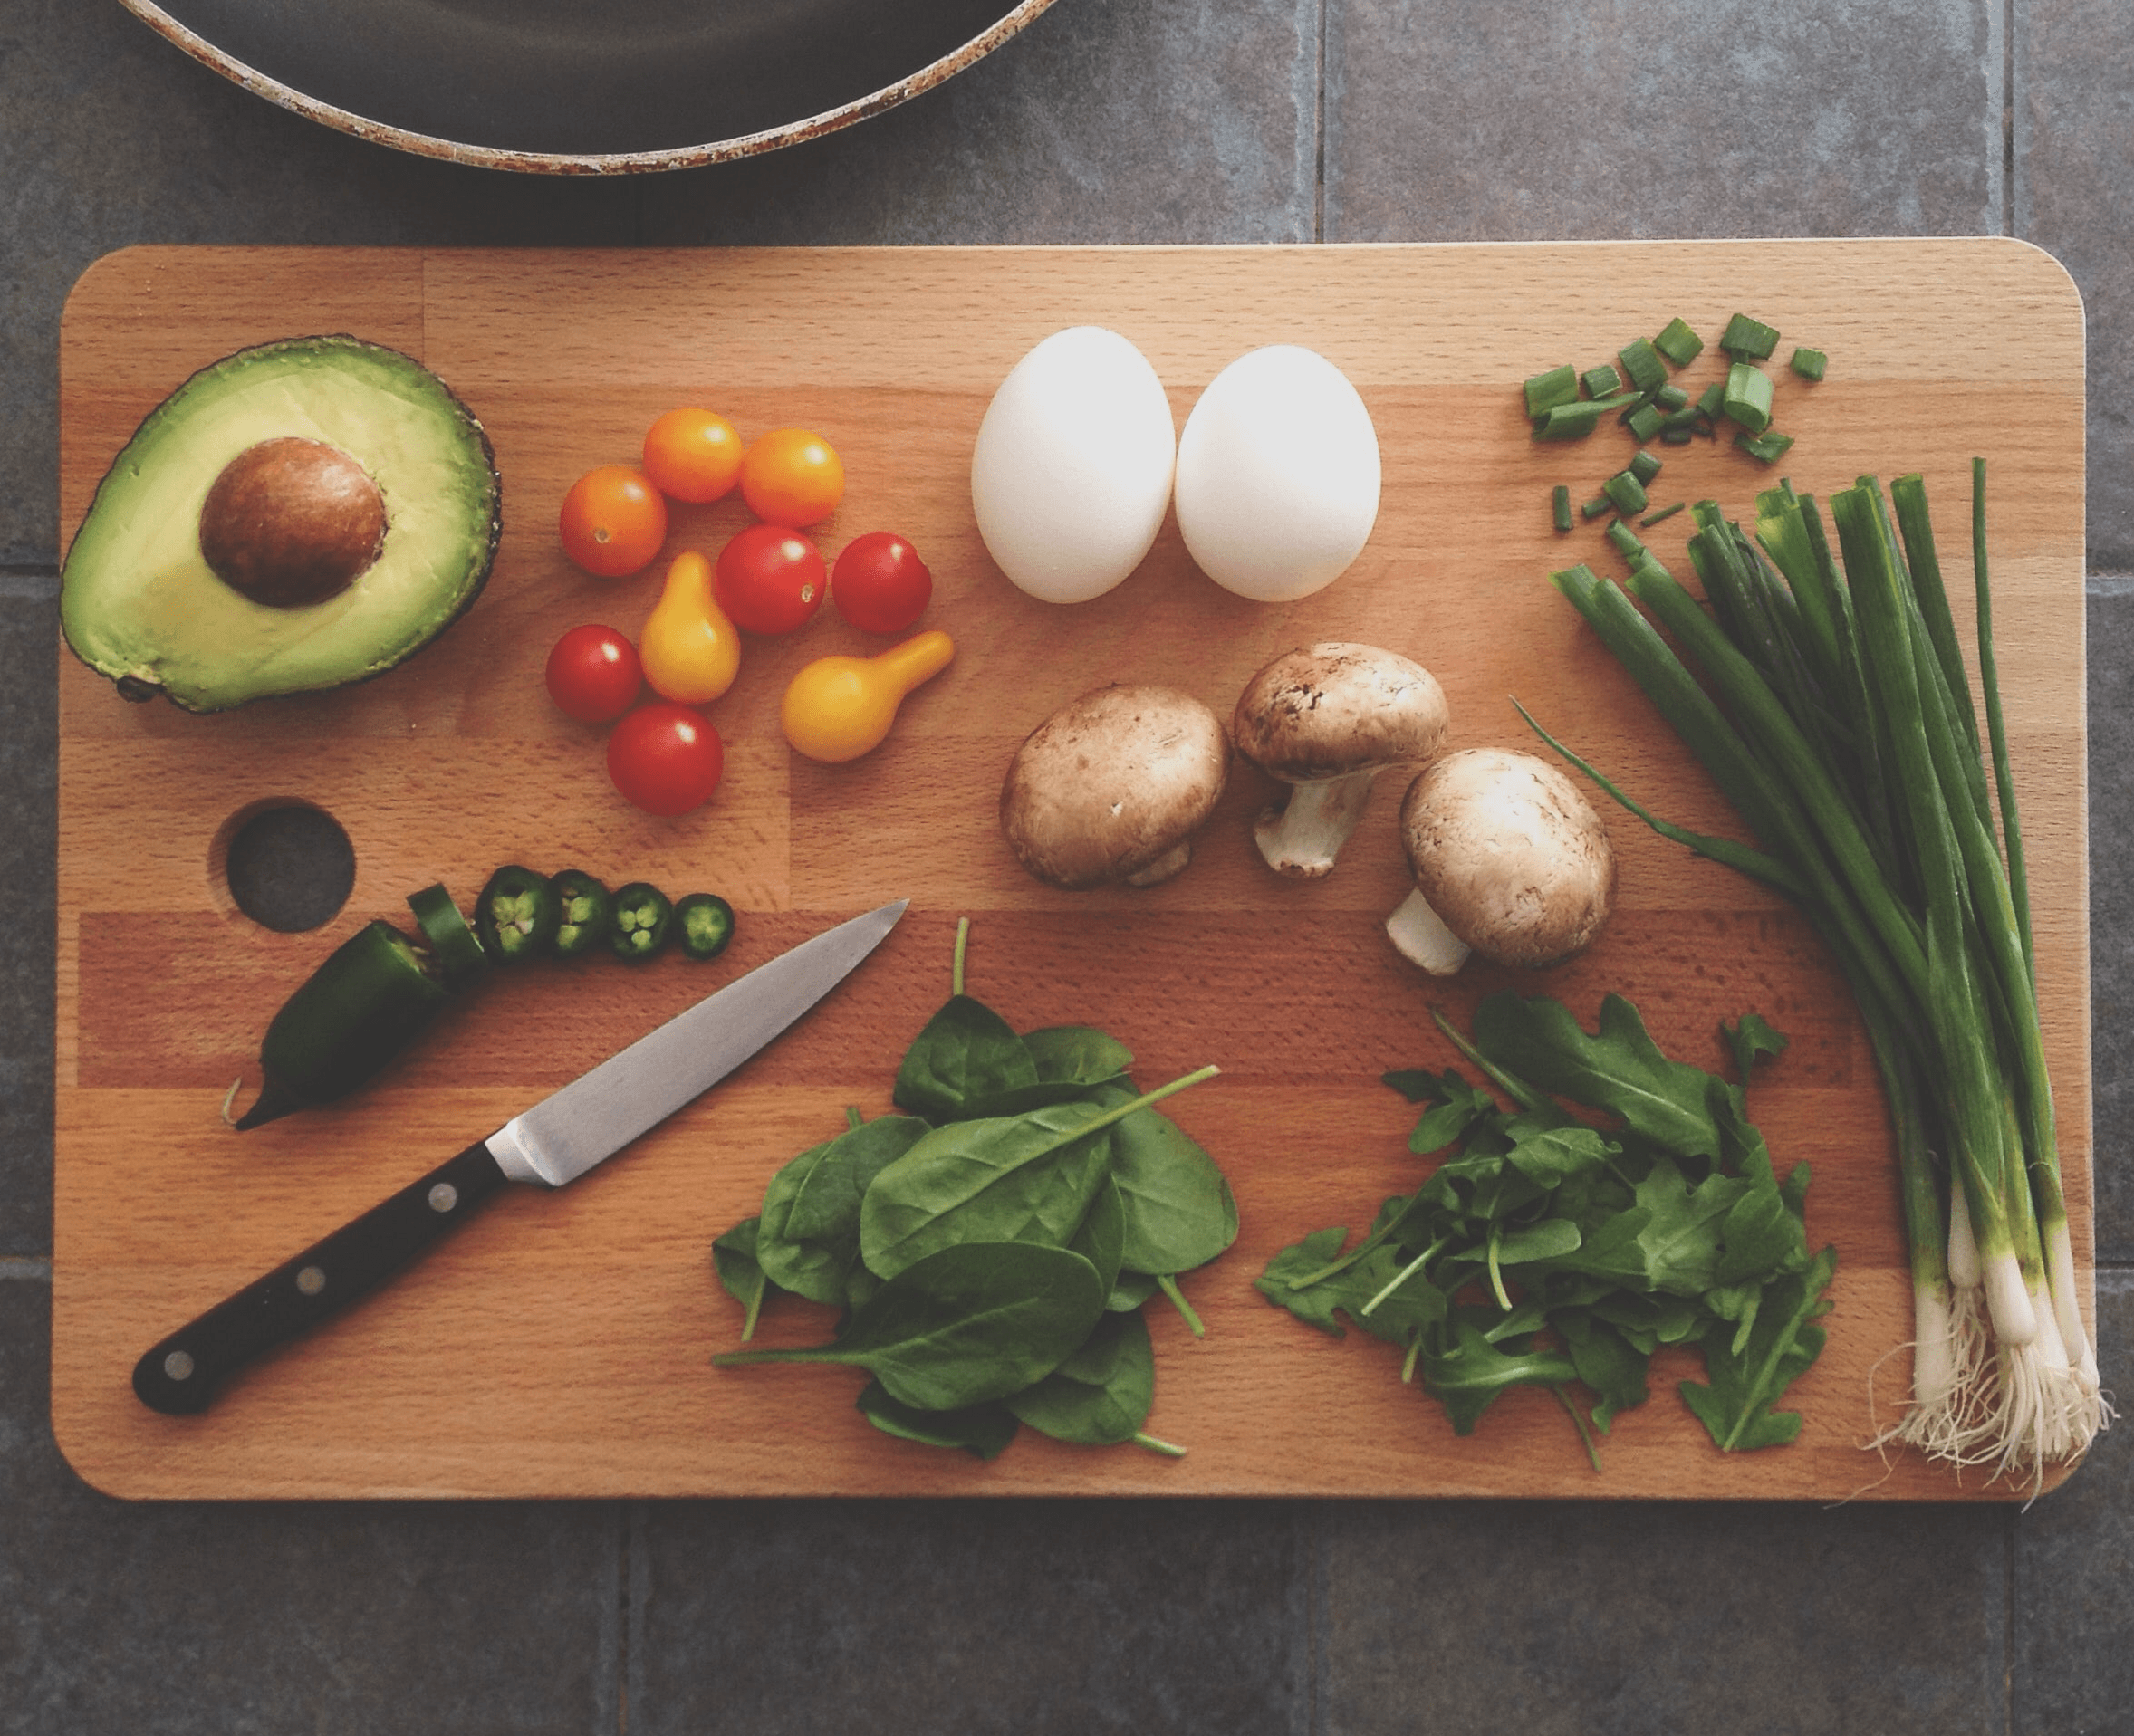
(1277, 475)
(1072, 468)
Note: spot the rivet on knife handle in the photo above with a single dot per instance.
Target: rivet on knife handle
(178, 1376)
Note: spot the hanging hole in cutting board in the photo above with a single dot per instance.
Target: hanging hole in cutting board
(284, 864)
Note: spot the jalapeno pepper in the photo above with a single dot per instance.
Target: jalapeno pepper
(453, 944)
(643, 914)
(705, 921)
(369, 999)
(587, 909)
(517, 916)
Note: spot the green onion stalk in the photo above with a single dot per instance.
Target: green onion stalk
(1825, 693)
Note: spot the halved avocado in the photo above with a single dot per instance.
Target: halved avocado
(348, 509)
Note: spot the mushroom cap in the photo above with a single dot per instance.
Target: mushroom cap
(1509, 854)
(1327, 711)
(1113, 782)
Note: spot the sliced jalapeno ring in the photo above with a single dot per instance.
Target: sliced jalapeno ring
(705, 923)
(517, 916)
(451, 943)
(586, 909)
(643, 915)
(369, 999)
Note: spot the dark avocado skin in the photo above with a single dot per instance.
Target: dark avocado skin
(136, 688)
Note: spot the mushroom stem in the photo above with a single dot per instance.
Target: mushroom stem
(1163, 866)
(1422, 939)
(1302, 837)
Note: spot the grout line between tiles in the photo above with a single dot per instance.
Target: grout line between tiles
(2007, 116)
(1319, 131)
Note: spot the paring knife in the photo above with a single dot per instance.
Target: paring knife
(555, 1142)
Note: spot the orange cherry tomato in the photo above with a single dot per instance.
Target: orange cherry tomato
(614, 521)
(792, 477)
(693, 455)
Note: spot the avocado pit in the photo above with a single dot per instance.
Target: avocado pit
(290, 522)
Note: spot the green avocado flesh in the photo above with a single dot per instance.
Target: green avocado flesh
(138, 602)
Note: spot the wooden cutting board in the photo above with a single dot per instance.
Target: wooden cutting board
(561, 1344)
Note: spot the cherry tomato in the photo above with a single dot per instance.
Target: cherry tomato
(614, 521)
(879, 584)
(769, 579)
(594, 673)
(792, 477)
(665, 758)
(693, 455)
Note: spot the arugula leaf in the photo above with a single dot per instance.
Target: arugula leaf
(1747, 1380)
(1619, 1070)
(1751, 1038)
(983, 1431)
(1456, 1106)
(1607, 1361)
(1349, 1290)
(1470, 1374)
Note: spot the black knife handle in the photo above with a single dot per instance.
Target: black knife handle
(180, 1376)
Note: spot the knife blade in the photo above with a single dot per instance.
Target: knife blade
(551, 1144)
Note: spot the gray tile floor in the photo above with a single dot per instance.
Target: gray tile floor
(1108, 120)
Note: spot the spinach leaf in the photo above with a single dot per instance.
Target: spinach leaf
(971, 1322)
(1102, 1235)
(1100, 1395)
(809, 1240)
(1076, 1055)
(1021, 1178)
(1179, 1211)
(732, 1257)
(982, 1430)
(1130, 1290)
(967, 1052)
(1619, 1070)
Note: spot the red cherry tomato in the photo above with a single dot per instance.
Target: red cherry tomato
(879, 584)
(665, 758)
(594, 673)
(769, 579)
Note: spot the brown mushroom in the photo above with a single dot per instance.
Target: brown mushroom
(1327, 719)
(1510, 860)
(1112, 786)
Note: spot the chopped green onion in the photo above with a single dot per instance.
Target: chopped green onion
(1810, 363)
(1645, 466)
(1625, 540)
(1713, 399)
(1546, 391)
(1626, 490)
(1670, 398)
(1601, 382)
(1688, 417)
(1650, 519)
(1644, 421)
(1747, 402)
(1598, 505)
(1681, 437)
(1770, 446)
(1679, 344)
(1752, 338)
(1642, 366)
(1560, 505)
(1575, 421)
